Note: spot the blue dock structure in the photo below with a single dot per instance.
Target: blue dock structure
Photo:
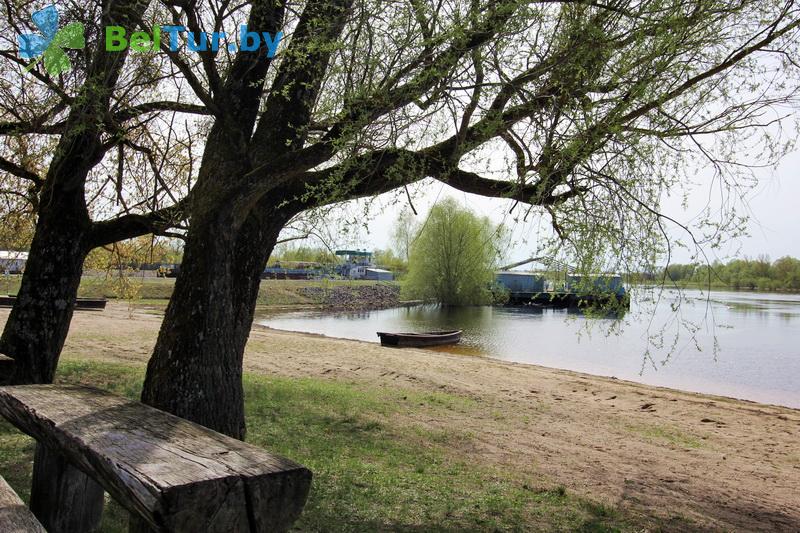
(601, 284)
(533, 288)
(521, 283)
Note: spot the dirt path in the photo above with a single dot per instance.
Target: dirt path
(717, 463)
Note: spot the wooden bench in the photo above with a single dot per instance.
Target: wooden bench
(170, 474)
(14, 516)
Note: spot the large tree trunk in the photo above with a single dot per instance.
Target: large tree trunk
(39, 321)
(196, 368)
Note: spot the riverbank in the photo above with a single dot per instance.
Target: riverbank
(149, 291)
(716, 286)
(644, 457)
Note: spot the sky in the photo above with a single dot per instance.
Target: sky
(773, 227)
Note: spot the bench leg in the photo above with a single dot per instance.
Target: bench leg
(6, 369)
(63, 498)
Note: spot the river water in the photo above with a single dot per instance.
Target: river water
(738, 344)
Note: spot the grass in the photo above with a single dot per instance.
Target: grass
(667, 435)
(154, 291)
(374, 469)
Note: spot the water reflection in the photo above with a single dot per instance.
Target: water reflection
(756, 335)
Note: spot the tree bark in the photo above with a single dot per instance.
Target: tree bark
(196, 368)
(39, 321)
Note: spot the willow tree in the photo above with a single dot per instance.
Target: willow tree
(363, 97)
(454, 256)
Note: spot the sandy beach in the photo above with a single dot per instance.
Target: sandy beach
(663, 455)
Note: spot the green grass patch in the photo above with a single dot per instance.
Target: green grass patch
(665, 434)
(375, 469)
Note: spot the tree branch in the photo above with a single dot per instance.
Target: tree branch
(160, 105)
(284, 123)
(15, 169)
(134, 225)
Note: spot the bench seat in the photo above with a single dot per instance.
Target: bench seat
(14, 516)
(174, 474)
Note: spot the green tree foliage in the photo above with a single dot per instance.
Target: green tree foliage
(302, 254)
(16, 229)
(135, 254)
(760, 273)
(389, 260)
(454, 256)
(404, 232)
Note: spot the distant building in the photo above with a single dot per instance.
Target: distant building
(358, 265)
(349, 270)
(12, 262)
(378, 274)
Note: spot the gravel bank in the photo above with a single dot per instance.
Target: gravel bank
(378, 296)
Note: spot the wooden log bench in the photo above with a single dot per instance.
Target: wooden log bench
(170, 474)
(14, 516)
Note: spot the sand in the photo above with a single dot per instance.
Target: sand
(660, 454)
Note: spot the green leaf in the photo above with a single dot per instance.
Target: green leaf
(70, 36)
(55, 60)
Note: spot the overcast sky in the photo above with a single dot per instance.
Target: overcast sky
(773, 227)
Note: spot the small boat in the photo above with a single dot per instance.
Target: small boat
(428, 338)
